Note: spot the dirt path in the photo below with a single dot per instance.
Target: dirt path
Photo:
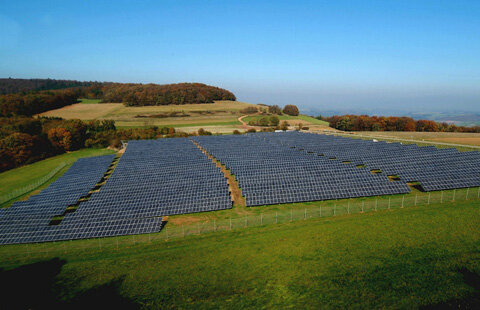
(244, 125)
(233, 187)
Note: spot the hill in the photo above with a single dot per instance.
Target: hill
(12, 86)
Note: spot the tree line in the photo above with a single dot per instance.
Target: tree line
(25, 140)
(29, 97)
(392, 123)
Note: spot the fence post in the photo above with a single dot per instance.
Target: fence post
(478, 193)
(149, 237)
(276, 217)
(133, 239)
(183, 231)
(28, 250)
(246, 221)
(230, 223)
(376, 202)
(454, 192)
(64, 248)
(305, 215)
(428, 203)
(334, 209)
(261, 218)
(416, 200)
(166, 231)
(348, 206)
(363, 205)
(321, 210)
(403, 200)
(466, 196)
(214, 225)
(291, 215)
(389, 199)
(441, 197)
(99, 244)
(117, 244)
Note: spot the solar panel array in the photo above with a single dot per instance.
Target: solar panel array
(28, 221)
(158, 178)
(270, 171)
(434, 169)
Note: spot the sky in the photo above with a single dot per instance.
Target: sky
(359, 56)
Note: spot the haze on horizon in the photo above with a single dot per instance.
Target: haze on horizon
(383, 56)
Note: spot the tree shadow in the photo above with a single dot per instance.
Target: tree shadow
(33, 287)
(470, 278)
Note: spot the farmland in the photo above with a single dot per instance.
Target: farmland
(443, 137)
(221, 116)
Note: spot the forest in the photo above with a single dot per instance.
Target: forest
(24, 140)
(29, 97)
(392, 123)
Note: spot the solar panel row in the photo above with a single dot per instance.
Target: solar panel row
(28, 221)
(270, 171)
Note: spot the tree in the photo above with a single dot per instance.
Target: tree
(284, 125)
(236, 132)
(299, 126)
(274, 120)
(291, 109)
(18, 147)
(60, 138)
(263, 121)
(275, 109)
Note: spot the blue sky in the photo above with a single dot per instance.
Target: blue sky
(338, 55)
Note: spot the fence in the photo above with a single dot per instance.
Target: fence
(282, 214)
(22, 191)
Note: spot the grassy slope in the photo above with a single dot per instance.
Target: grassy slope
(26, 175)
(444, 137)
(388, 259)
(219, 113)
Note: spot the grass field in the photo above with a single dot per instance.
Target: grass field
(443, 137)
(403, 258)
(220, 113)
(23, 176)
(89, 101)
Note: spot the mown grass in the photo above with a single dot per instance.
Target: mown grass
(18, 178)
(89, 101)
(401, 258)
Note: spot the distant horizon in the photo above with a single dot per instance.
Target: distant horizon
(403, 57)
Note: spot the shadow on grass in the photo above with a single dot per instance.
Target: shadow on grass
(33, 287)
(470, 278)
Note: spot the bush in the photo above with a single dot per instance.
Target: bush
(284, 125)
(274, 120)
(291, 109)
(249, 110)
(305, 128)
(275, 109)
(263, 122)
(203, 132)
(236, 132)
(252, 130)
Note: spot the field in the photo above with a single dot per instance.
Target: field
(218, 117)
(387, 259)
(442, 137)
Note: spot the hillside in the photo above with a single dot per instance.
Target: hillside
(386, 259)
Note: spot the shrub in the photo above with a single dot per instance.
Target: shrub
(284, 125)
(263, 122)
(236, 132)
(274, 120)
(252, 130)
(249, 110)
(291, 109)
(275, 109)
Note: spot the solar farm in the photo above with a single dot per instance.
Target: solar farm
(100, 197)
